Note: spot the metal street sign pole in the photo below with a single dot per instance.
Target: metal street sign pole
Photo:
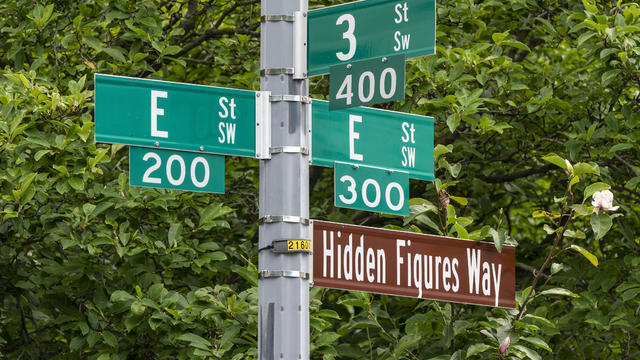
(284, 265)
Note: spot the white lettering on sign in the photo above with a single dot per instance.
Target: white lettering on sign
(421, 269)
(366, 263)
(474, 263)
(227, 130)
(408, 152)
(147, 174)
(347, 35)
(225, 111)
(371, 203)
(399, 12)
(367, 84)
(147, 178)
(402, 41)
(155, 112)
(353, 135)
(230, 136)
(402, 15)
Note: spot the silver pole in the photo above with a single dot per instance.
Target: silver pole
(283, 287)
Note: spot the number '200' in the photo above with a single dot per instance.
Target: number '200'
(200, 183)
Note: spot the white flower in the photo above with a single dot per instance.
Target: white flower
(568, 166)
(603, 200)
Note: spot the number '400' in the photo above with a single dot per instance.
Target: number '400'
(367, 86)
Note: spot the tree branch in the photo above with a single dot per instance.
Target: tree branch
(516, 175)
(212, 34)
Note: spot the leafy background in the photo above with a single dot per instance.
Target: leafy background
(536, 105)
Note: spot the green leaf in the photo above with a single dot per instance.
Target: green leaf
(114, 53)
(558, 291)
(609, 76)
(174, 234)
(581, 168)
(516, 44)
(593, 188)
(556, 160)
(155, 291)
(582, 209)
(76, 183)
(453, 121)
(530, 353)
(592, 258)
(477, 348)
(540, 319)
(499, 237)
(629, 28)
(454, 169)
(326, 338)
(212, 212)
(537, 342)
(630, 294)
(110, 339)
(600, 223)
(498, 37)
(88, 208)
(121, 295)
(590, 7)
(460, 200)
(441, 150)
(620, 147)
(195, 340)
(461, 231)
(208, 246)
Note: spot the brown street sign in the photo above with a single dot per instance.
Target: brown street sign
(409, 264)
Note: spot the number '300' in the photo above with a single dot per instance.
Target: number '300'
(366, 198)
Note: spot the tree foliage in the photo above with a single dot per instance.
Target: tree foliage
(537, 107)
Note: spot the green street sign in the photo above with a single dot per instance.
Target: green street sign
(366, 82)
(371, 189)
(385, 139)
(176, 170)
(369, 29)
(178, 116)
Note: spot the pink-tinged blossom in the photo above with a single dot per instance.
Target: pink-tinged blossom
(505, 345)
(603, 200)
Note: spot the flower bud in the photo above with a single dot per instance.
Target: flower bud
(505, 345)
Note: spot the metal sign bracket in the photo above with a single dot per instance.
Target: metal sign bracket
(300, 45)
(299, 69)
(265, 274)
(263, 125)
(268, 219)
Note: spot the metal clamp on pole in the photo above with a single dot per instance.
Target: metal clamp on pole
(291, 98)
(265, 274)
(283, 218)
(299, 20)
(277, 71)
(289, 149)
(277, 17)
